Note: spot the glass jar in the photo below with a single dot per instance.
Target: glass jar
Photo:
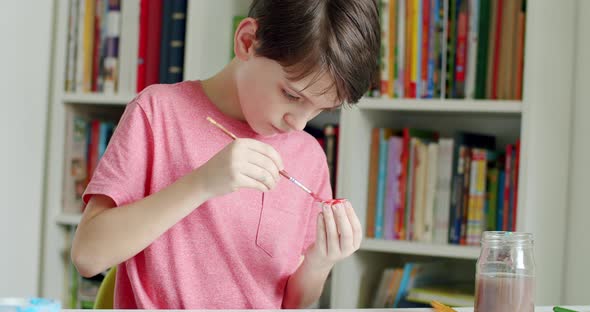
(505, 273)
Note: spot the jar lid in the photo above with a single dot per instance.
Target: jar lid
(504, 237)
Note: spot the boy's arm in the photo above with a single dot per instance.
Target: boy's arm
(305, 285)
(106, 237)
(339, 234)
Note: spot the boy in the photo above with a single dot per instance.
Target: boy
(195, 220)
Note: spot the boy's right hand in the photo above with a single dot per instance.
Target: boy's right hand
(244, 163)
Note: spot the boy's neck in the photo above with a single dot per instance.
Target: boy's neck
(221, 90)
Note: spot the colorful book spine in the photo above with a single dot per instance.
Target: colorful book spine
(491, 206)
(175, 68)
(419, 190)
(425, 47)
(154, 35)
(451, 48)
(392, 69)
(433, 47)
(384, 135)
(372, 187)
(477, 196)
(401, 48)
(497, 48)
(392, 188)
(443, 191)
(165, 40)
(70, 80)
(482, 49)
(515, 185)
(142, 45)
(465, 200)
(507, 186)
(461, 52)
(472, 48)
(432, 152)
(128, 53)
(111, 60)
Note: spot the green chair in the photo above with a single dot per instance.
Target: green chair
(106, 291)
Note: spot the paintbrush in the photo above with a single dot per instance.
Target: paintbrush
(441, 307)
(282, 172)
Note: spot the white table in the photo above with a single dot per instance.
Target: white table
(538, 309)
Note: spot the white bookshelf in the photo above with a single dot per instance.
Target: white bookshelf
(442, 106)
(420, 249)
(68, 219)
(96, 99)
(541, 119)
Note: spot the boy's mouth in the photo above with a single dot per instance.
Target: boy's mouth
(277, 130)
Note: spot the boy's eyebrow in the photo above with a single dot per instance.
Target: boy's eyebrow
(300, 93)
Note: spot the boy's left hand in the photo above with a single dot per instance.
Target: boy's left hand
(339, 234)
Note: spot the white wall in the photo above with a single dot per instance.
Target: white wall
(577, 269)
(25, 32)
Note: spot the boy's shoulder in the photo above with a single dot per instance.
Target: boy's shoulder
(306, 147)
(166, 92)
(164, 99)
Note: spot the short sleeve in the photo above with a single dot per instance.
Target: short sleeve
(324, 190)
(123, 172)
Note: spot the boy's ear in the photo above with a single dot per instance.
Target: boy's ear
(245, 39)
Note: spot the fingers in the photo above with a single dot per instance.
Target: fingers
(332, 241)
(321, 240)
(249, 182)
(357, 229)
(265, 163)
(267, 151)
(260, 175)
(344, 228)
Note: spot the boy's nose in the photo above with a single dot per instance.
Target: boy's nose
(295, 122)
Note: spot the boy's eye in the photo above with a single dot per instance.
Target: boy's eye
(291, 97)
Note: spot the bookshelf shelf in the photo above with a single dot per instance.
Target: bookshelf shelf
(420, 249)
(443, 105)
(68, 219)
(97, 99)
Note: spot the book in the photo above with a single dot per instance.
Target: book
(482, 49)
(433, 274)
(443, 191)
(430, 185)
(70, 80)
(372, 185)
(111, 58)
(456, 296)
(384, 135)
(392, 188)
(460, 184)
(472, 48)
(175, 69)
(153, 42)
(129, 45)
(165, 40)
(142, 45)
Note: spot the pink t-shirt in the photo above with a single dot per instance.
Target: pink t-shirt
(233, 252)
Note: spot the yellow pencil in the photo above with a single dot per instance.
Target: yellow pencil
(441, 307)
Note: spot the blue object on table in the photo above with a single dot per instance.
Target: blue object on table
(29, 305)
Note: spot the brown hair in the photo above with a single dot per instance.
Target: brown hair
(338, 37)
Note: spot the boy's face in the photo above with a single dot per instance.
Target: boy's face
(272, 104)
